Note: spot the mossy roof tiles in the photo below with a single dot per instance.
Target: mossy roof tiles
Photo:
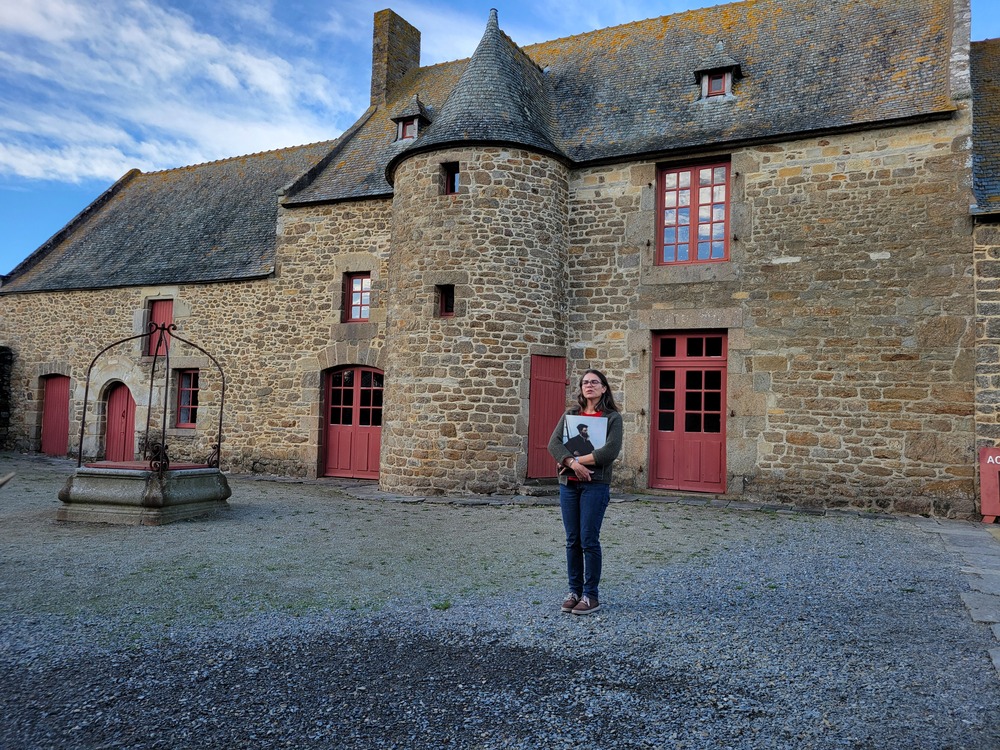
(208, 222)
(631, 90)
(985, 62)
(613, 94)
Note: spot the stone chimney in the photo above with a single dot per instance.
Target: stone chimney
(395, 52)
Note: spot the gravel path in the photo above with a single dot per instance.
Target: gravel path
(306, 617)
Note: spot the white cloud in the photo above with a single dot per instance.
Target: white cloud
(89, 90)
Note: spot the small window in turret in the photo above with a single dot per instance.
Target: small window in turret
(452, 177)
(445, 300)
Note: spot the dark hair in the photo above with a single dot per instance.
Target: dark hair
(607, 402)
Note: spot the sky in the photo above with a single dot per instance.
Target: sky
(90, 89)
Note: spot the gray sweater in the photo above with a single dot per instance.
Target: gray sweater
(604, 456)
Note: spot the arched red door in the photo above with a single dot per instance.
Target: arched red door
(119, 438)
(55, 415)
(353, 422)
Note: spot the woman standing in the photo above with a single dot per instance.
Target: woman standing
(585, 487)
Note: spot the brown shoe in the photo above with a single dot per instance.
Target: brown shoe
(570, 602)
(586, 605)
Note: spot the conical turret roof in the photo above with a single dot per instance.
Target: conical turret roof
(501, 97)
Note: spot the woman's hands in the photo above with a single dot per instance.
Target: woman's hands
(581, 471)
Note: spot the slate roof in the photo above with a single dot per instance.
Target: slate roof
(500, 98)
(985, 62)
(209, 222)
(807, 66)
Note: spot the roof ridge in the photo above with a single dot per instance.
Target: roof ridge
(330, 141)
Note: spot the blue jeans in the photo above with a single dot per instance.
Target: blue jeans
(583, 505)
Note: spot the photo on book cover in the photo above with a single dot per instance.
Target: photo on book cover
(584, 435)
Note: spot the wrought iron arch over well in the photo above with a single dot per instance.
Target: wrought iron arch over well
(156, 451)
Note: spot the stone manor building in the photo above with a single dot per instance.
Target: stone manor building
(773, 224)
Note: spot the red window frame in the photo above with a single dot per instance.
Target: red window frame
(408, 129)
(716, 84)
(161, 312)
(187, 398)
(452, 177)
(357, 297)
(693, 212)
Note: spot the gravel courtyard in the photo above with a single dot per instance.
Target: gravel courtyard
(325, 615)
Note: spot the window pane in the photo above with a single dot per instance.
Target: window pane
(346, 416)
(670, 217)
(685, 179)
(692, 422)
(682, 253)
(718, 231)
(693, 380)
(720, 174)
(669, 236)
(684, 216)
(684, 197)
(366, 398)
(718, 212)
(713, 401)
(666, 422)
(377, 418)
(718, 249)
(704, 176)
(684, 234)
(718, 193)
(713, 423)
(668, 254)
(713, 380)
(703, 250)
(365, 418)
(692, 401)
(703, 231)
(705, 214)
(713, 348)
(670, 200)
(666, 401)
(668, 380)
(705, 195)
(668, 348)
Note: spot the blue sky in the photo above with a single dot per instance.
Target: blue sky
(92, 88)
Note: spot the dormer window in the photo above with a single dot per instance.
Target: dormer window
(407, 129)
(716, 74)
(410, 119)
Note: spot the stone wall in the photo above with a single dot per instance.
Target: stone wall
(456, 408)
(273, 338)
(987, 248)
(848, 302)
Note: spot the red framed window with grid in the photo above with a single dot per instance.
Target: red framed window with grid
(357, 297)
(693, 203)
(161, 312)
(187, 398)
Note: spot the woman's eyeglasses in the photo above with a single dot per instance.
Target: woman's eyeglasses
(591, 382)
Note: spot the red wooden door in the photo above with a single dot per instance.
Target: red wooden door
(546, 404)
(55, 416)
(353, 422)
(688, 431)
(119, 438)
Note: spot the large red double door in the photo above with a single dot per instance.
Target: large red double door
(688, 430)
(353, 422)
